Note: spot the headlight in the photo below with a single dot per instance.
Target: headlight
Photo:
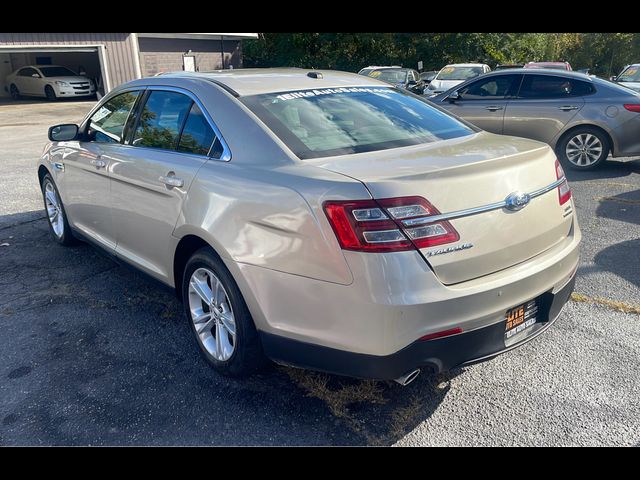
(61, 83)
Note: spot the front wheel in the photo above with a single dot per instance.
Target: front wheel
(219, 317)
(584, 148)
(50, 93)
(56, 215)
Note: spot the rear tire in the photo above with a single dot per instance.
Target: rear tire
(50, 93)
(584, 148)
(15, 93)
(219, 317)
(56, 215)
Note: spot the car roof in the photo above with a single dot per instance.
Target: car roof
(540, 71)
(256, 81)
(547, 63)
(394, 68)
(40, 66)
(382, 66)
(465, 65)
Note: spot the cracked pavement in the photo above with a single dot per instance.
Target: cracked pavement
(94, 354)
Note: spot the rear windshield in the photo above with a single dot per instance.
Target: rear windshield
(389, 76)
(57, 72)
(339, 121)
(459, 73)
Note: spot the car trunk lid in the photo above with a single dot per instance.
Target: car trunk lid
(466, 173)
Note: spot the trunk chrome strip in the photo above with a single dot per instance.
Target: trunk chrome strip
(412, 222)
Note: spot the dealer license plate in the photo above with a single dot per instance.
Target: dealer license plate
(520, 318)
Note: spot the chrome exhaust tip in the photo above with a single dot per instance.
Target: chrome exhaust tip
(406, 379)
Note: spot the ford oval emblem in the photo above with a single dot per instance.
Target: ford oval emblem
(517, 201)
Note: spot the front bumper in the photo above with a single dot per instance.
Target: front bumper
(74, 92)
(438, 355)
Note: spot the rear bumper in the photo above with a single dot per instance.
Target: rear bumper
(439, 355)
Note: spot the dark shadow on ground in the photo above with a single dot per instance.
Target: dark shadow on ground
(93, 353)
(624, 207)
(623, 260)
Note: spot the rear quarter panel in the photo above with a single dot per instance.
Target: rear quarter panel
(271, 218)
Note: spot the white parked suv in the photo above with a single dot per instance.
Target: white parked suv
(454, 74)
(51, 81)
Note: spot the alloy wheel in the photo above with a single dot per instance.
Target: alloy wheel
(584, 149)
(212, 314)
(54, 209)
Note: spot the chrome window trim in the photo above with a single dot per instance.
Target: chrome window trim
(476, 210)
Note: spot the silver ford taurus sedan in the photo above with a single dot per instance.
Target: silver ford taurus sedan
(584, 118)
(320, 219)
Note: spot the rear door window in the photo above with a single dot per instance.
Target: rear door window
(552, 86)
(161, 120)
(26, 72)
(197, 135)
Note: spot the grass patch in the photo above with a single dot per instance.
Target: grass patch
(624, 201)
(615, 305)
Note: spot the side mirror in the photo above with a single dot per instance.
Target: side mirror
(35, 75)
(63, 133)
(453, 96)
(613, 79)
(412, 83)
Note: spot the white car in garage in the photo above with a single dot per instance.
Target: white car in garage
(50, 81)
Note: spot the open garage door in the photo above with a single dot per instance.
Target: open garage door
(85, 60)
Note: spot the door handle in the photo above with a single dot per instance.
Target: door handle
(171, 181)
(567, 108)
(98, 163)
(493, 108)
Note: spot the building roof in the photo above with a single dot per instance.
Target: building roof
(202, 36)
(255, 81)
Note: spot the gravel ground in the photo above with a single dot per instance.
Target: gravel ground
(94, 354)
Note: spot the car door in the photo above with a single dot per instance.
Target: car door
(87, 162)
(27, 83)
(170, 141)
(483, 101)
(542, 107)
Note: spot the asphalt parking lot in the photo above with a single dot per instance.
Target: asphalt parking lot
(92, 353)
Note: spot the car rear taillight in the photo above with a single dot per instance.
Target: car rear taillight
(388, 225)
(632, 107)
(564, 191)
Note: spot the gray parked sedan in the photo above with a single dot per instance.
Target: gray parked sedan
(583, 118)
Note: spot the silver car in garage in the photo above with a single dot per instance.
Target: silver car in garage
(320, 219)
(583, 118)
